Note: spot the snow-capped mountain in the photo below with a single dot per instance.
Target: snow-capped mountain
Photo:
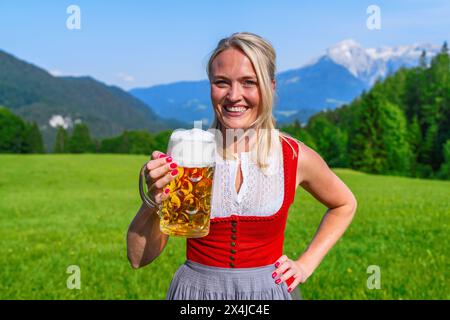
(328, 81)
(370, 64)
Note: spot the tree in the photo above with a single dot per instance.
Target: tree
(61, 140)
(80, 141)
(33, 142)
(444, 171)
(299, 133)
(415, 143)
(134, 142)
(378, 139)
(395, 138)
(330, 140)
(12, 132)
(161, 141)
(423, 60)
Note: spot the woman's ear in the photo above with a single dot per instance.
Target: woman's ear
(274, 85)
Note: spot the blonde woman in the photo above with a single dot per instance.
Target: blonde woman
(242, 256)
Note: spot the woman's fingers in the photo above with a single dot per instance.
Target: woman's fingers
(280, 271)
(162, 170)
(166, 179)
(159, 172)
(287, 269)
(155, 163)
(157, 154)
(161, 195)
(280, 260)
(294, 284)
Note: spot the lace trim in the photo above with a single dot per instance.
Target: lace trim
(287, 184)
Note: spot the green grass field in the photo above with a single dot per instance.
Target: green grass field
(62, 210)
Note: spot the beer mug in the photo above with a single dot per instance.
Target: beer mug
(186, 212)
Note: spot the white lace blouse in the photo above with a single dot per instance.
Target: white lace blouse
(259, 195)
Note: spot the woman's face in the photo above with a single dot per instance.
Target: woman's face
(234, 89)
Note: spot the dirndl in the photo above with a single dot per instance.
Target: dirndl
(195, 281)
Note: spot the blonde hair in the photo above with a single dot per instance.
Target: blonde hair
(262, 56)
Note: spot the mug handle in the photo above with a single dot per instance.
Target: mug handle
(149, 202)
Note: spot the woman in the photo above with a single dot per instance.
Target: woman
(241, 257)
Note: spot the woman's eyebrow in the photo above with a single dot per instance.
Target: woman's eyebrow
(240, 78)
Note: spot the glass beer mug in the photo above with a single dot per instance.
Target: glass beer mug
(186, 212)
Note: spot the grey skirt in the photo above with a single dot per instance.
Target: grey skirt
(194, 281)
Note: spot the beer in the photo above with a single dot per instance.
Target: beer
(186, 212)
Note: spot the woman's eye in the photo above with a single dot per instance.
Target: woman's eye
(249, 83)
(220, 83)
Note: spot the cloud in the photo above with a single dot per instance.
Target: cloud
(286, 113)
(59, 121)
(126, 77)
(56, 73)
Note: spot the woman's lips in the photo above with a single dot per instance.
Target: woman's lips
(235, 111)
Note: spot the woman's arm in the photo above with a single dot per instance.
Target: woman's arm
(314, 175)
(145, 241)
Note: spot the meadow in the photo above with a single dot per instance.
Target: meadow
(63, 210)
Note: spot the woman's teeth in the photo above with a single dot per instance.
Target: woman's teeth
(235, 109)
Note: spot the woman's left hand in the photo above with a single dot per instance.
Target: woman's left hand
(287, 268)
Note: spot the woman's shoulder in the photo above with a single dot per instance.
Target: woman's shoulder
(294, 143)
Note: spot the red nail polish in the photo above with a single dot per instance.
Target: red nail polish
(167, 190)
(277, 264)
(278, 281)
(174, 172)
(274, 275)
(169, 159)
(173, 165)
(162, 155)
(289, 289)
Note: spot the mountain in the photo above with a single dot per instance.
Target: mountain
(35, 95)
(328, 81)
(370, 64)
(305, 91)
(188, 100)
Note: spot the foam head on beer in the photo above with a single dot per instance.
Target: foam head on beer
(193, 148)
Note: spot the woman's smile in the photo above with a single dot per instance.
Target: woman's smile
(235, 110)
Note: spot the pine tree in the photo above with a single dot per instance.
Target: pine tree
(61, 141)
(395, 138)
(444, 48)
(80, 141)
(330, 140)
(444, 171)
(415, 142)
(33, 142)
(12, 132)
(378, 140)
(423, 60)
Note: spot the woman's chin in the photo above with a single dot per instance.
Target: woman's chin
(235, 124)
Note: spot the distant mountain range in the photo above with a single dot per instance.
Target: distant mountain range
(328, 81)
(35, 95)
(337, 77)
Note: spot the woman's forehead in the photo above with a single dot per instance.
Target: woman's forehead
(232, 62)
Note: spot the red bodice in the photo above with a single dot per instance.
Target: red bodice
(248, 241)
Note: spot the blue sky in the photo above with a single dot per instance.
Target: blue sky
(142, 43)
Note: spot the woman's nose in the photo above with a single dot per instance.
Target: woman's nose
(235, 93)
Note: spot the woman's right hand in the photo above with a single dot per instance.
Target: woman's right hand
(159, 172)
